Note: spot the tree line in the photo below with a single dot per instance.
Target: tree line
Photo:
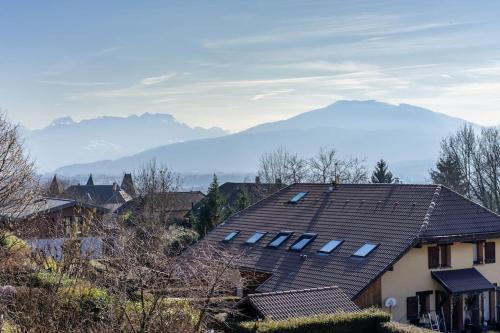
(282, 166)
(469, 163)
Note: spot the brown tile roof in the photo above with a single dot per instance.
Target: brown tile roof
(391, 215)
(301, 303)
(173, 201)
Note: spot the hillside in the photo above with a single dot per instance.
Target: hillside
(407, 136)
(66, 141)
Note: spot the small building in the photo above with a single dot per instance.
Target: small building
(412, 250)
(49, 224)
(110, 196)
(172, 207)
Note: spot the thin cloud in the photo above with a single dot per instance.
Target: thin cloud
(150, 81)
(271, 93)
(76, 84)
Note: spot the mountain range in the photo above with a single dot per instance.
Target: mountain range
(65, 141)
(406, 136)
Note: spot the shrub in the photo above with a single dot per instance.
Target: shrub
(48, 279)
(394, 327)
(342, 322)
(10, 242)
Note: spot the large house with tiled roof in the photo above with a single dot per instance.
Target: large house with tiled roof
(109, 195)
(413, 250)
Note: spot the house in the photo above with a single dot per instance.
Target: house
(410, 249)
(110, 196)
(173, 206)
(50, 224)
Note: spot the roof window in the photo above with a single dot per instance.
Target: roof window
(365, 250)
(230, 236)
(302, 242)
(297, 197)
(255, 237)
(330, 246)
(279, 239)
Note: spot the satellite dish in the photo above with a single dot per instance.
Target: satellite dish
(390, 302)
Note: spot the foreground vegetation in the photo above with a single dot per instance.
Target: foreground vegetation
(371, 320)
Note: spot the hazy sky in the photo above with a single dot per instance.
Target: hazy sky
(238, 63)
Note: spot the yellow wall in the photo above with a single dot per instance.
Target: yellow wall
(411, 274)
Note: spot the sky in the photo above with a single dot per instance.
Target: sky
(235, 64)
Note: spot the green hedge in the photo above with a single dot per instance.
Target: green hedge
(393, 327)
(343, 322)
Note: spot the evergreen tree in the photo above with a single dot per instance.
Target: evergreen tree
(243, 200)
(381, 174)
(448, 173)
(212, 210)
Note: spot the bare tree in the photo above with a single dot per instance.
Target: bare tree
(297, 169)
(470, 164)
(18, 181)
(273, 166)
(323, 166)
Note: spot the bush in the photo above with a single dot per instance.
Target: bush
(10, 242)
(394, 327)
(342, 322)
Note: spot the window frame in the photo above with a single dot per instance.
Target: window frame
(445, 255)
(309, 236)
(333, 249)
(375, 246)
(297, 197)
(236, 233)
(491, 258)
(262, 235)
(288, 234)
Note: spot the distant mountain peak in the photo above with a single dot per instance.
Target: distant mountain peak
(63, 121)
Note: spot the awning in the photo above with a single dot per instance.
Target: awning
(460, 281)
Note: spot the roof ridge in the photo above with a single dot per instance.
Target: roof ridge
(281, 292)
(430, 210)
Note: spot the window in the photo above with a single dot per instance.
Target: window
(231, 235)
(489, 252)
(424, 302)
(412, 309)
(330, 246)
(433, 254)
(255, 237)
(478, 254)
(365, 250)
(298, 197)
(302, 242)
(279, 239)
(439, 256)
(445, 255)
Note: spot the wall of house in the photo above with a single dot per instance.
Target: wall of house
(411, 274)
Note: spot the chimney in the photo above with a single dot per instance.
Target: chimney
(278, 182)
(336, 182)
(397, 180)
(257, 179)
(115, 187)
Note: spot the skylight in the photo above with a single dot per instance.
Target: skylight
(231, 235)
(279, 239)
(365, 250)
(330, 246)
(298, 197)
(255, 237)
(302, 242)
